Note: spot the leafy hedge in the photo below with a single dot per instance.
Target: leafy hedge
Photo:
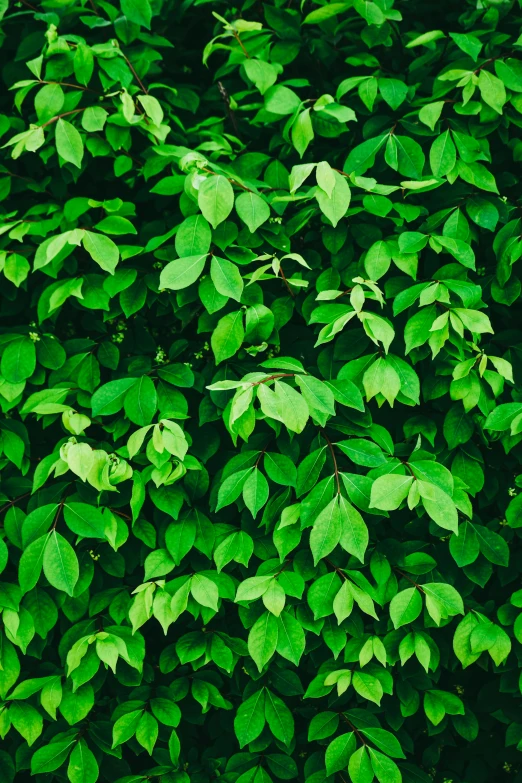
(261, 390)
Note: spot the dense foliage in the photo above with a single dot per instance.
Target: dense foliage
(261, 391)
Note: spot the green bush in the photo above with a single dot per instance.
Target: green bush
(261, 391)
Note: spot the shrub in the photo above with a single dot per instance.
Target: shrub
(260, 379)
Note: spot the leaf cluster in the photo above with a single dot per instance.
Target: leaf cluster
(260, 391)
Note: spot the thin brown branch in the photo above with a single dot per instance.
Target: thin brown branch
(120, 514)
(74, 86)
(12, 502)
(350, 724)
(230, 179)
(286, 281)
(261, 454)
(412, 581)
(57, 517)
(136, 75)
(59, 116)
(240, 42)
(336, 569)
(274, 377)
(226, 100)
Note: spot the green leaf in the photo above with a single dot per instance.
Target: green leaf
(367, 686)
(51, 756)
(393, 92)
(386, 770)
(279, 718)
(335, 206)
(464, 547)
(255, 492)
(102, 250)
(362, 156)
(442, 600)
(378, 260)
(405, 607)
(302, 132)
(18, 360)
(359, 766)
(290, 638)
(385, 741)
(492, 90)
(326, 531)
(193, 237)
(60, 564)
(339, 751)
(31, 564)
(84, 520)
(354, 533)
(69, 144)
(250, 718)
(182, 272)
(83, 767)
(389, 491)
(253, 210)
(281, 100)
(137, 11)
(180, 537)
(325, 12)
(228, 336)
(204, 591)
(261, 73)
(405, 155)
(262, 639)
(141, 401)
(216, 199)
(443, 154)
(439, 505)
(226, 277)
(501, 417)
(323, 725)
(108, 399)
(125, 727)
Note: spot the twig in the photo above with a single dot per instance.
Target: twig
(350, 724)
(261, 454)
(59, 116)
(240, 42)
(226, 100)
(135, 75)
(412, 581)
(336, 569)
(230, 179)
(274, 377)
(120, 513)
(332, 452)
(57, 517)
(286, 281)
(12, 502)
(75, 86)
